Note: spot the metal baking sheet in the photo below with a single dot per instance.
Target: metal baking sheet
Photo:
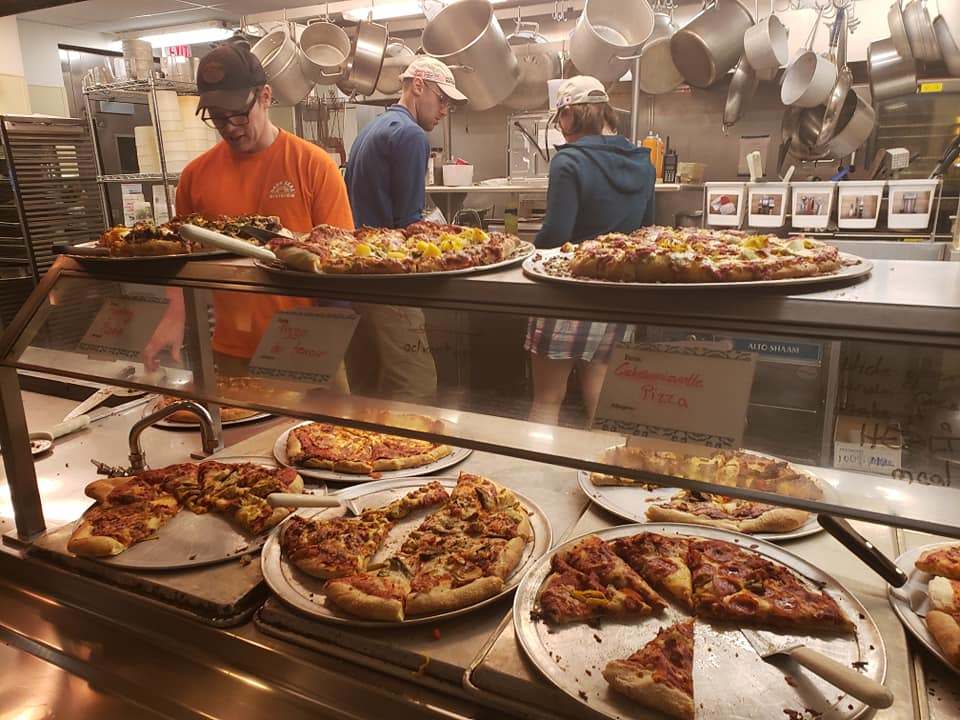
(305, 593)
(524, 251)
(900, 601)
(631, 503)
(730, 679)
(190, 540)
(535, 267)
(180, 257)
(168, 424)
(280, 453)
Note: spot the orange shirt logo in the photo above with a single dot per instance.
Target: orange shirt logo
(282, 190)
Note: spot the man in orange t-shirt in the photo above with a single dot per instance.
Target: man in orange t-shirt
(258, 168)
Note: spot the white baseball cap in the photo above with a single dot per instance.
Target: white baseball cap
(433, 70)
(579, 90)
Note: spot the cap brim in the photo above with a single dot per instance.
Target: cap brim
(232, 100)
(451, 92)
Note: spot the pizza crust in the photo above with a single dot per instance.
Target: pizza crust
(775, 520)
(299, 258)
(638, 684)
(227, 414)
(84, 543)
(936, 561)
(946, 631)
(442, 599)
(100, 489)
(943, 596)
(363, 604)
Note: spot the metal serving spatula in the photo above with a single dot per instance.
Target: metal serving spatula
(767, 644)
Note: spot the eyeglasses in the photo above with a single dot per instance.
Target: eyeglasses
(444, 100)
(219, 121)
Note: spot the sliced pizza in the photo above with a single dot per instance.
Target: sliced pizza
(943, 561)
(377, 594)
(661, 560)
(570, 595)
(660, 674)
(725, 512)
(733, 584)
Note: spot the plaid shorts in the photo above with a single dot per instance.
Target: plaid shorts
(574, 339)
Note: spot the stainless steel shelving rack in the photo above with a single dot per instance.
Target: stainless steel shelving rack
(118, 91)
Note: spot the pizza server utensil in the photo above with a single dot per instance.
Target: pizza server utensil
(303, 500)
(225, 242)
(852, 682)
(42, 440)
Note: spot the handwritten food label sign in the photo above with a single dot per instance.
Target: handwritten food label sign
(123, 327)
(680, 392)
(304, 345)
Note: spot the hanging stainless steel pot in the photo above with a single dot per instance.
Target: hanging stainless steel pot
(658, 74)
(852, 133)
(948, 46)
(468, 38)
(366, 59)
(537, 65)
(898, 30)
(608, 36)
(889, 73)
(324, 48)
(837, 97)
(280, 57)
(742, 87)
(767, 45)
(396, 59)
(712, 42)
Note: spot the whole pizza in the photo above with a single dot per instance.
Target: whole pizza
(146, 238)
(628, 579)
(132, 509)
(421, 247)
(461, 553)
(326, 446)
(695, 255)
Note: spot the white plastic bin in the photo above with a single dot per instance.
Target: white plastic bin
(458, 175)
(768, 204)
(910, 203)
(858, 203)
(725, 203)
(812, 204)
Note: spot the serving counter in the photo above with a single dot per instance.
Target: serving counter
(137, 643)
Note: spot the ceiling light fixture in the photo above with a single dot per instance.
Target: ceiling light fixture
(185, 34)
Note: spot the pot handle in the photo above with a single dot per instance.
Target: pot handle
(629, 57)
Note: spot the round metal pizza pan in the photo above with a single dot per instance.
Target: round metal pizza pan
(730, 680)
(305, 593)
(181, 257)
(168, 424)
(631, 503)
(523, 252)
(190, 540)
(280, 453)
(900, 601)
(854, 267)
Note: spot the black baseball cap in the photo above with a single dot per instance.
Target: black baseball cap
(226, 75)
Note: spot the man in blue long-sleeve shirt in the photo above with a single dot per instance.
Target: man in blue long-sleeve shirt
(386, 174)
(388, 160)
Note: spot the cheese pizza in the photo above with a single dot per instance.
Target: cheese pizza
(695, 255)
(418, 248)
(146, 238)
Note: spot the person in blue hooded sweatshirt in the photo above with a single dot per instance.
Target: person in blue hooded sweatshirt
(599, 183)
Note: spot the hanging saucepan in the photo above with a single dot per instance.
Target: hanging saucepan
(890, 74)
(395, 60)
(537, 64)
(366, 59)
(766, 45)
(468, 38)
(658, 74)
(810, 77)
(280, 57)
(325, 48)
(852, 133)
(608, 36)
(712, 42)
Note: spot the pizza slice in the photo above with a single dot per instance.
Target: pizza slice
(570, 595)
(334, 547)
(943, 561)
(713, 510)
(592, 555)
(943, 619)
(733, 584)
(661, 560)
(378, 594)
(433, 493)
(660, 674)
(130, 512)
